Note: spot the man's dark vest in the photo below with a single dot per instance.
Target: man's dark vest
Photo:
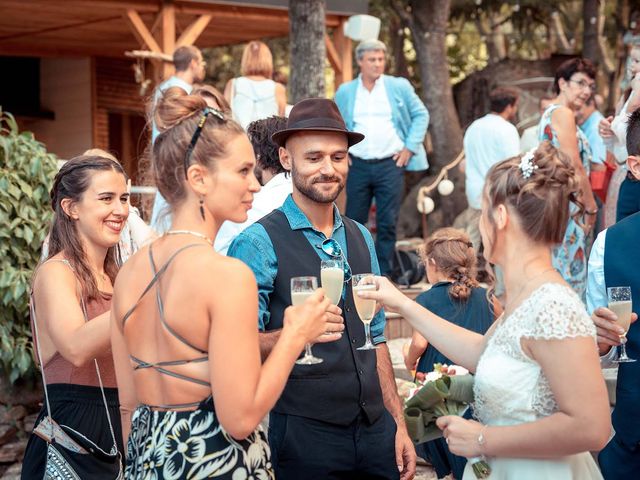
(622, 268)
(346, 382)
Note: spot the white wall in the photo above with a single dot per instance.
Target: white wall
(65, 89)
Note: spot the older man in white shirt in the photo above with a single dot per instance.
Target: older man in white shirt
(394, 122)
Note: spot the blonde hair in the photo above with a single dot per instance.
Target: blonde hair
(256, 60)
(454, 257)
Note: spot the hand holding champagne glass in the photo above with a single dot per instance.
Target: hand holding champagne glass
(365, 307)
(620, 304)
(301, 289)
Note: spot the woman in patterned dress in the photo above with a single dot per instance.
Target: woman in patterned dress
(574, 83)
(538, 362)
(184, 333)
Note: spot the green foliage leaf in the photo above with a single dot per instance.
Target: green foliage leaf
(26, 176)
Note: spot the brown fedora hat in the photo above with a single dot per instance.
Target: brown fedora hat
(315, 115)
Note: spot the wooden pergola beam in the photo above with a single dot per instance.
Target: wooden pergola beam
(193, 31)
(141, 31)
(332, 55)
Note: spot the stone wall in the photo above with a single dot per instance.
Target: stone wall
(19, 407)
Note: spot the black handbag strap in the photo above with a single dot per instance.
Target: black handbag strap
(32, 308)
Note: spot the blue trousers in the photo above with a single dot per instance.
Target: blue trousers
(382, 180)
(306, 449)
(619, 461)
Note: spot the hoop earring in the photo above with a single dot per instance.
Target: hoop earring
(202, 208)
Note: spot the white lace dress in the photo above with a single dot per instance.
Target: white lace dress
(510, 388)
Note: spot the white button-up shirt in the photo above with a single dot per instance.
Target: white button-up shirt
(597, 288)
(271, 196)
(487, 141)
(372, 117)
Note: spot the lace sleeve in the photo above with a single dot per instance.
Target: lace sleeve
(559, 315)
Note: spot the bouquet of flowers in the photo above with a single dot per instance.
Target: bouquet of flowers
(444, 391)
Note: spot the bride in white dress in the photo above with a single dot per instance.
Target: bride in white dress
(540, 397)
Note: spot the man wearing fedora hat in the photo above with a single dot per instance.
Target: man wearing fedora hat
(342, 418)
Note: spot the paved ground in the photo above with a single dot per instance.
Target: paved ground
(423, 472)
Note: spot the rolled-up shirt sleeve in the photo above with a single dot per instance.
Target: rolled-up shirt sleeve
(596, 287)
(254, 247)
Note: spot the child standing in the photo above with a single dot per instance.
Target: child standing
(455, 295)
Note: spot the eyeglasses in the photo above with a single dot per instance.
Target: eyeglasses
(196, 135)
(585, 85)
(332, 247)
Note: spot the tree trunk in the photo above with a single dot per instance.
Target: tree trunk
(397, 46)
(494, 39)
(590, 30)
(428, 29)
(306, 43)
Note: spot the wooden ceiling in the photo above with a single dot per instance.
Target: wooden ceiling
(99, 28)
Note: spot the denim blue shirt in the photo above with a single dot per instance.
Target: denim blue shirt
(253, 246)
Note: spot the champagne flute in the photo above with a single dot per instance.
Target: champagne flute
(332, 277)
(301, 289)
(620, 304)
(365, 307)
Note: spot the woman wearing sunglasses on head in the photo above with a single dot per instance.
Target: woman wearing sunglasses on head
(193, 389)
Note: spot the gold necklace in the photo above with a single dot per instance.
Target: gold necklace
(521, 291)
(190, 232)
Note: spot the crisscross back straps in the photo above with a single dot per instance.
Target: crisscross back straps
(157, 273)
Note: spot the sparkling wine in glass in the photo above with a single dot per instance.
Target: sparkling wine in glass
(365, 307)
(332, 277)
(301, 289)
(620, 304)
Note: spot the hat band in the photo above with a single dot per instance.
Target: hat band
(317, 123)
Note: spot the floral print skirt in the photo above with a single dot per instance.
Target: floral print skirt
(173, 445)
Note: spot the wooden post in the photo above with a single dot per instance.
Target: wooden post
(344, 50)
(168, 32)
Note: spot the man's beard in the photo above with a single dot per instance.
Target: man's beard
(308, 189)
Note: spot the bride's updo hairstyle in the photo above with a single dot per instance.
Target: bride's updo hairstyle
(539, 186)
(178, 116)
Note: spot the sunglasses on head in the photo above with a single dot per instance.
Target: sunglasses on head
(196, 135)
(332, 247)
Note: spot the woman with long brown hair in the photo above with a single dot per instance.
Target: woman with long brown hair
(71, 303)
(184, 326)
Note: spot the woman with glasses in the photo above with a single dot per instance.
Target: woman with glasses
(574, 83)
(184, 318)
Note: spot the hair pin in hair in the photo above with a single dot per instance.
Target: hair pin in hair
(206, 111)
(212, 111)
(526, 164)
